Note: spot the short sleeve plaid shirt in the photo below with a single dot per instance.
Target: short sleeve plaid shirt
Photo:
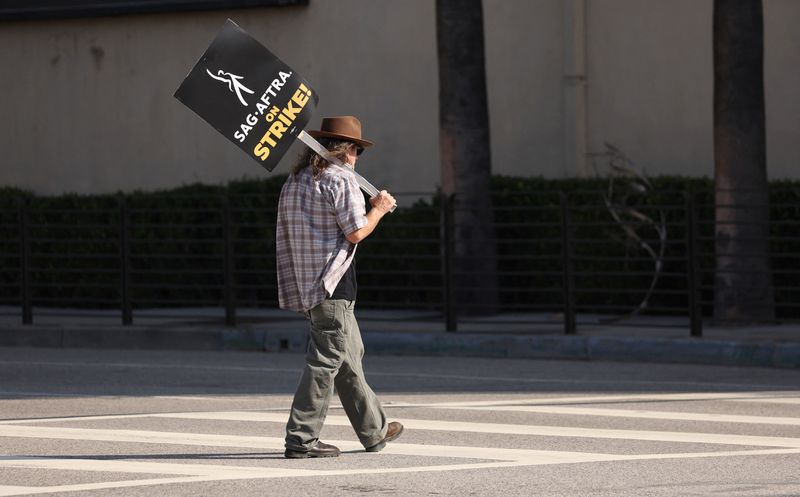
(311, 249)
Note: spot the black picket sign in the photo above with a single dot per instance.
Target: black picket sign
(249, 95)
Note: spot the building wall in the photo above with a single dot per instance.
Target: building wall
(524, 59)
(650, 83)
(781, 83)
(93, 111)
(88, 106)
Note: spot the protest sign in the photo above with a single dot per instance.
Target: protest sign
(254, 99)
(249, 95)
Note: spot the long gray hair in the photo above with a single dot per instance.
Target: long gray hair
(337, 148)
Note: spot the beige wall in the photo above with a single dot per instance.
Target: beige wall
(525, 85)
(650, 83)
(87, 103)
(781, 82)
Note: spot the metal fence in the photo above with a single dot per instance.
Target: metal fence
(554, 257)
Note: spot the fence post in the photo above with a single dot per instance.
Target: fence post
(125, 262)
(25, 262)
(695, 310)
(567, 271)
(228, 265)
(448, 255)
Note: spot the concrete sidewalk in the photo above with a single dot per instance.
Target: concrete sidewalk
(539, 336)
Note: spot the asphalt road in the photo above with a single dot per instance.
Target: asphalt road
(114, 423)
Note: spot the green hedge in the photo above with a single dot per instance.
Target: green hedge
(177, 250)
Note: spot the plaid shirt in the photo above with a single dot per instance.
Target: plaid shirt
(311, 249)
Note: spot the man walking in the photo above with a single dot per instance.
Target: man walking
(321, 219)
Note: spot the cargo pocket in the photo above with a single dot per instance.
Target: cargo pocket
(327, 334)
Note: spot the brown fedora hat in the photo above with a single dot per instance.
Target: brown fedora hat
(343, 128)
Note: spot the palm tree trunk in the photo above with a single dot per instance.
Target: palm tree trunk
(743, 282)
(465, 150)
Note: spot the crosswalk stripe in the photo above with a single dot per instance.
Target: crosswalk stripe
(278, 417)
(9, 491)
(276, 444)
(789, 397)
(776, 400)
(194, 473)
(771, 396)
(483, 457)
(524, 404)
(514, 429)
(641, 414)
(416, 424)
(139, 467)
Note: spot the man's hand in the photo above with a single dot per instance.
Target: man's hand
(383, 201)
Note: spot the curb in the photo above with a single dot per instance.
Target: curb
(592, 348)
(556, 347)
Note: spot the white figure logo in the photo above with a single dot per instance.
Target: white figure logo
(233, 83)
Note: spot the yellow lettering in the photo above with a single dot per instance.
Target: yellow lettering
(280, 126)
(278, 129)
(291, 112)
(300, 98)
(260, 151)
(286, 120)
(268, 139)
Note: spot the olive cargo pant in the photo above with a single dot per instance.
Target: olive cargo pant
(334, 358)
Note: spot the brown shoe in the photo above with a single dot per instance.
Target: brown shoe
(319, 450)
(394, 430)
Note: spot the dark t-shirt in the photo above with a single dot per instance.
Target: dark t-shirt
(347, 287)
